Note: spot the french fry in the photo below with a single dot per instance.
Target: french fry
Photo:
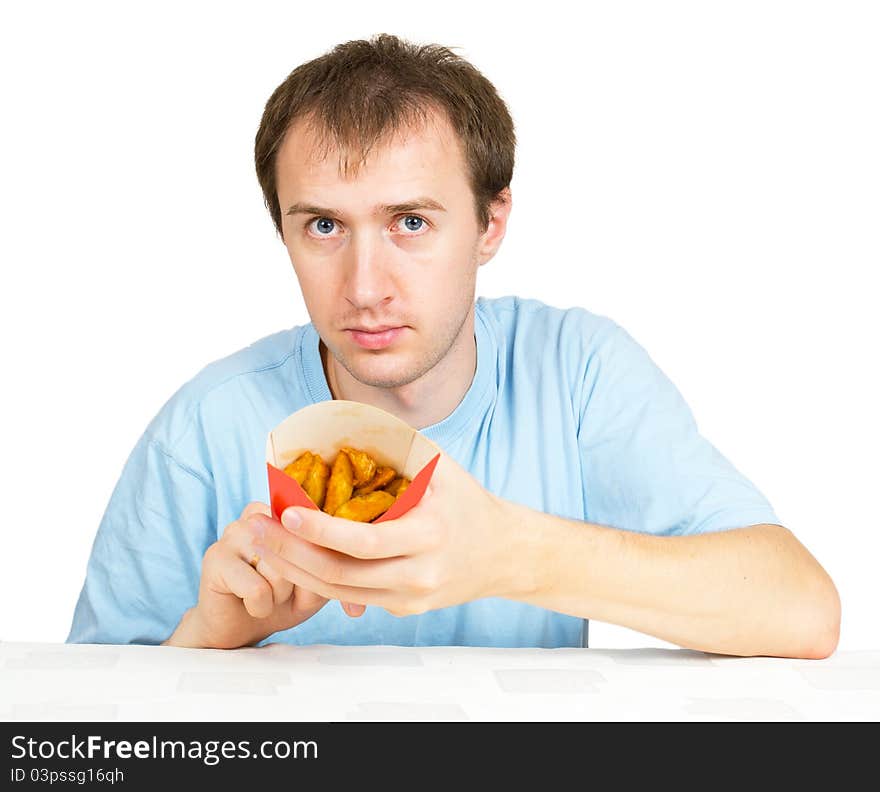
(362, 463)
(315, 484)
(299, 468)
(365, 508)
(382, 477)
(341, 483)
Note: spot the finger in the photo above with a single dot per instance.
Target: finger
(357, 539)
(302, 579)
(242, 580)
(333, 567)
(255, 507)
(281, 587)
(239, 538)
(302, 601)
(306, 602)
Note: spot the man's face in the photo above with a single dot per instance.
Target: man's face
(393, 249)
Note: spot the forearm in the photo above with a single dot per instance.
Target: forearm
(750, 591)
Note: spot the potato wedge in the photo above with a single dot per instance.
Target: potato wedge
(398, 486)
(340, 485)
(315, 484)
(362, 463)
(366, 508)
(382, 477)
(299, 468)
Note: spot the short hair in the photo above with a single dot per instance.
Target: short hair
(363, 92)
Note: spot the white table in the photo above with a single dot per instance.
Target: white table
(59, 682)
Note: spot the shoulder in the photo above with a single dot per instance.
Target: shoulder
(233, 376)
(585, 354)
(528, 322)
(265, 354)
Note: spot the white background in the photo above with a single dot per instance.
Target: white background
(704, 173)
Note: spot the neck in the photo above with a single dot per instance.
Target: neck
(424, 401)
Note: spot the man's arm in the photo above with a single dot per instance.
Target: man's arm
(680, 567)
(743, 591)
(143, 570)
(754, 590)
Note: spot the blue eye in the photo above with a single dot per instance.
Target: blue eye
(413, 223)
(324, 225)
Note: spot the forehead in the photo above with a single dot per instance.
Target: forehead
(423, 158)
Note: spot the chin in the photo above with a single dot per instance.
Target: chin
(377, 378)
(381, 373)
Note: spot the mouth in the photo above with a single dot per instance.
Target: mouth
(378, 337)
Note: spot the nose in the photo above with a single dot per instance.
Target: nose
(368, 283)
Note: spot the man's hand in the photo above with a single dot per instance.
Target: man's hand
(242, 598)
(452, 547)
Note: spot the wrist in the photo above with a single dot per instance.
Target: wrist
(188, 633)
(522, 562)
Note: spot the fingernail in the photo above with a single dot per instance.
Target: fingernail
(291, 519)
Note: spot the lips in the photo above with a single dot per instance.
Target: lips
(376, 338)
(376, 329)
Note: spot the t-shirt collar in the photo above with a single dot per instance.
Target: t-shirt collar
(470, 408)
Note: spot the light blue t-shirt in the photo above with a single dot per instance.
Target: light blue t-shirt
(566, 414)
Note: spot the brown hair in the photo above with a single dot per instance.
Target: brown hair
(363, 92)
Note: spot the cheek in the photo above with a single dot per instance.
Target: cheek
(450, 280)
(316, 288)
(445, 259)
(311, 270)
(439, 305)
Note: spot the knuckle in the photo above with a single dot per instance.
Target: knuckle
(257, 591)
(369, 544)
(234, 529)
(248, 524)
(255, 507)
(212, 556)
(412, 582)
(240, 531)
(423, 581)
(431, 581)
(333, 571)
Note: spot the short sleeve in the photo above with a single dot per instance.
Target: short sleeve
(646, 467)
(145, 563)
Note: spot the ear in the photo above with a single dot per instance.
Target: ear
(490, 239)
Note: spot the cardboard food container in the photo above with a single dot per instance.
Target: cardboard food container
(325, 427)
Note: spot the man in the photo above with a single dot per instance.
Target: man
(574, 483)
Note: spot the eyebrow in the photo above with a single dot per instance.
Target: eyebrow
(407, 206)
